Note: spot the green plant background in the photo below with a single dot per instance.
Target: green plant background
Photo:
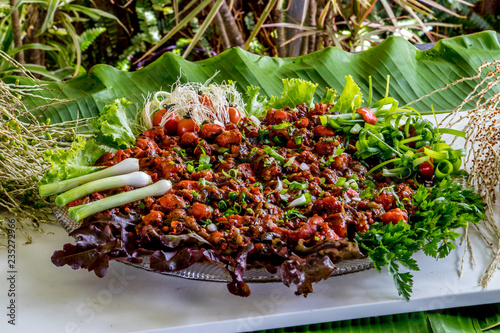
(413, 74)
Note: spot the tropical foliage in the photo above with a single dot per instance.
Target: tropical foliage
(55, 38)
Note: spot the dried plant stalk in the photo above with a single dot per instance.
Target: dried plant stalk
(23, 139)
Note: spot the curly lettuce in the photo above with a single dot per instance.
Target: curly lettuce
(74, 162)
(113, 125)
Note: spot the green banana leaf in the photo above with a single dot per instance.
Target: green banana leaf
(479, 318)
(449, 322)
(413, 74)
(489, 317)
(405, 322)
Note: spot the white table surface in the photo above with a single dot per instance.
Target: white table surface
(52, 299)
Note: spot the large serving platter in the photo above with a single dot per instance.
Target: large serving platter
(211, 272)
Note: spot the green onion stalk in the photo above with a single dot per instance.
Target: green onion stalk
(135, 179)
(128, 165)
(82, 211)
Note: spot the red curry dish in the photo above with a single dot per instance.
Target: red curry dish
(285, 193)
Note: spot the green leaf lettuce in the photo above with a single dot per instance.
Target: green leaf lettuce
(351, 97)
(74, 162)
(114, 126)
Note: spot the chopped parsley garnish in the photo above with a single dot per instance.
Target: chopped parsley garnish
(294, 213)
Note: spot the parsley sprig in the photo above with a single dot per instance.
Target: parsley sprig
(440, 210)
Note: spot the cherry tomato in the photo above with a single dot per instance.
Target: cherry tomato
(426, 170)
(171, 124)
(206, 101)
(158, 116)
(368, 115)
(186, 125)
(234, 115)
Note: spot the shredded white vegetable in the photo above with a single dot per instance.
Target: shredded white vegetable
(184, 101)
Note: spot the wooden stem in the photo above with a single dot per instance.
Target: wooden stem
(222, 29)
(313, 11)
(16, 32)
(232, 31)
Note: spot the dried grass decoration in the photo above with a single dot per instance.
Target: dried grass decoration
(23, 139)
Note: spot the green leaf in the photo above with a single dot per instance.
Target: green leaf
(295, 91)
(114, 126)
(201, 30)
(405, 322)
(413, 74)
(255, 102)
(32, 46)
(329, 97)
(453, 321)
(350, 98)
(95, 13)
(489, 316)
(73, 162)
(88, 37)
(49, 16)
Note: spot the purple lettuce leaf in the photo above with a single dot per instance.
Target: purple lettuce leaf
(95, 248)
(303, 272)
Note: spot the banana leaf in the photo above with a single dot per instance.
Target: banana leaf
(413, 74)
(454, 321)
(405, 322)
(489, 317)
(479, 318)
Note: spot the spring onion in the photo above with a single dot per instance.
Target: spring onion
(126, 166)
(135, 179)
(285, 196)
(82, 211)
(271, 152)
(304, 199)
(279, 187)
(304, 167)
(290, 161)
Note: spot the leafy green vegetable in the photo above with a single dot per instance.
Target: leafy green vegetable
(329, 97)
(114, 126)
(440, 209)
(255, 103)
(295, 91)
(351, 97)
(73, 162)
